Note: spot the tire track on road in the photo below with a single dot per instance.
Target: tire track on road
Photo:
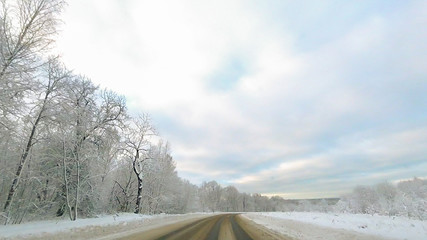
(238, 231)
(186, 229)
(223, 227)
(214, 233)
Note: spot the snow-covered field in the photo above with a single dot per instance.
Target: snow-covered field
(376, 226)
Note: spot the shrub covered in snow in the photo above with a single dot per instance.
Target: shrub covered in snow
(407, 198)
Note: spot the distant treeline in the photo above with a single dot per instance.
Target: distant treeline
(406, 198)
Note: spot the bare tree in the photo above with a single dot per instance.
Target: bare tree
(231, 199)
(88, 121)
(159, 178)
(137, 145)
(123, 191)
(211, 194)
(27, 28)
(55, 74)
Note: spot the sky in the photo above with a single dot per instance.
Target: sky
(301, 99)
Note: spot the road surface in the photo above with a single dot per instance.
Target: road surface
(221, 227)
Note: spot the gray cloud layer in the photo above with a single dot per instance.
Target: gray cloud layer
(277, 97)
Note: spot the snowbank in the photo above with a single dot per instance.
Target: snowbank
(102, 227)
(388, 227)
(64, 225)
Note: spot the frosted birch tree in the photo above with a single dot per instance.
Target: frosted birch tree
(136, 148)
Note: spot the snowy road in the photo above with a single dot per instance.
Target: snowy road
(296, 225)
(223, 226)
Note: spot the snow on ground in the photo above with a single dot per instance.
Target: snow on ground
(53, 226)
(104, 227)
(379, 226)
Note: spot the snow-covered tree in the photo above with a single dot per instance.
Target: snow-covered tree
(413, 197)
(210, 195)
(52, 78)
(136, 148)
(231, 200)
(408, 199)
(27, 29)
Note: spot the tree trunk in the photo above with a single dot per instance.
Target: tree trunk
(24, 156)
(67, 194)
(139, 196)
(138, 175)
(76, 202)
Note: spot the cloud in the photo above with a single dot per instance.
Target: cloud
(358, 159)
(275, 96)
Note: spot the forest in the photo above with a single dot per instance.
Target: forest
(69, 148)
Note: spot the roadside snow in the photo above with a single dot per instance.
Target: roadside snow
(381, 226)
(64, 225)
(102, 227)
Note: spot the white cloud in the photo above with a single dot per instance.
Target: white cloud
(291, 114)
